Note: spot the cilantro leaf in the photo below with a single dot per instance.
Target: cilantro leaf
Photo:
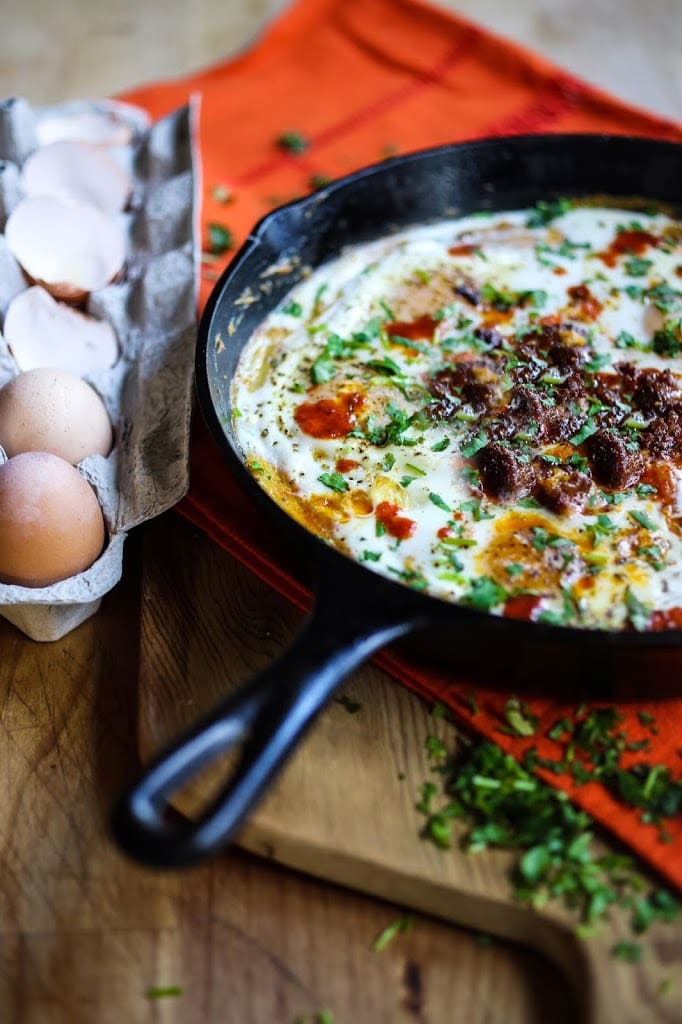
(334, 481)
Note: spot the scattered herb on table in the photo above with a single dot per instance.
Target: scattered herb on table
(502, 804)
(292, 142)
(440, 710)
(631, 952)
(318, 181)
(389, 933)
(163, 992)
(220, 239)
(349, 704)
(222, 194)
(519, 718)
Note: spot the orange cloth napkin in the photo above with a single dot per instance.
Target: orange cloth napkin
(361, 79)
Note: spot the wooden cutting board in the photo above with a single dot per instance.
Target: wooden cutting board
(344, 809)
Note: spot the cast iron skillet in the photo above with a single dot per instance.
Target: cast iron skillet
(357, 611)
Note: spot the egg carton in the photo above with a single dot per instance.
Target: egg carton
(153, 311)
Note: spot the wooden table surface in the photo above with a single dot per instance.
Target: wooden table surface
(84, 934)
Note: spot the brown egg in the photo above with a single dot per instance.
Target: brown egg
(51, 525)
(53, 411)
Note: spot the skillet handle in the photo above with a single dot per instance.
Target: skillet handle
(268, 715)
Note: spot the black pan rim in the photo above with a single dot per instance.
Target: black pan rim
(433, 608)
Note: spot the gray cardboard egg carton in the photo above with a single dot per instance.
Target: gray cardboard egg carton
(153, 310)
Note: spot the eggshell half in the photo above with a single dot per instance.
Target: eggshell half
(53, 411)
(41, 332)
(95, 127)
(70, 248)
(74, 172)
(51, 525)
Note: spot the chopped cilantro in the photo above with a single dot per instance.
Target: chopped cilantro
(370, 556)
(435, 749)
(440, 446)
(537, 298)
(349, 704)
(500, 300)
(484, 594)
(334, 481)
(388, 462)
(390, 932)
(163, 992)
(513, 569)
(472, 705)
(388, 312)
(474, 444)
(476, 511)
(519, 718)
(317, 181)
(545, 211)
(438, 502)
(567, 249)
(631, 952)
(638, 614)
(293, 142)
(642, 518)
(626, 340)
(385, 365)
(668, 341)
(601, 360)
(664, 297)
(636, 267)
(411, 577)
(335, 347)
(393, 431)
(588, 428)
(220, 239)
(441, 710)
(293, 309)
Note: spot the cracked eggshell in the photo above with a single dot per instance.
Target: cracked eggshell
(105, 123)
(51, 524)
(56, 412)
(41, 332)
(75, 172)
(71, 249)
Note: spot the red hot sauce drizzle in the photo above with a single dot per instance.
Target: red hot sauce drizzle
(345, 465)
(462, 250)
(671, 618)
(330, 417)
(630, 243)
(414, 330)
(522, 607)
(395, 525)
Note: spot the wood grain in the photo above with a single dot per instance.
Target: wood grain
(344, 808)
(84, 934)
